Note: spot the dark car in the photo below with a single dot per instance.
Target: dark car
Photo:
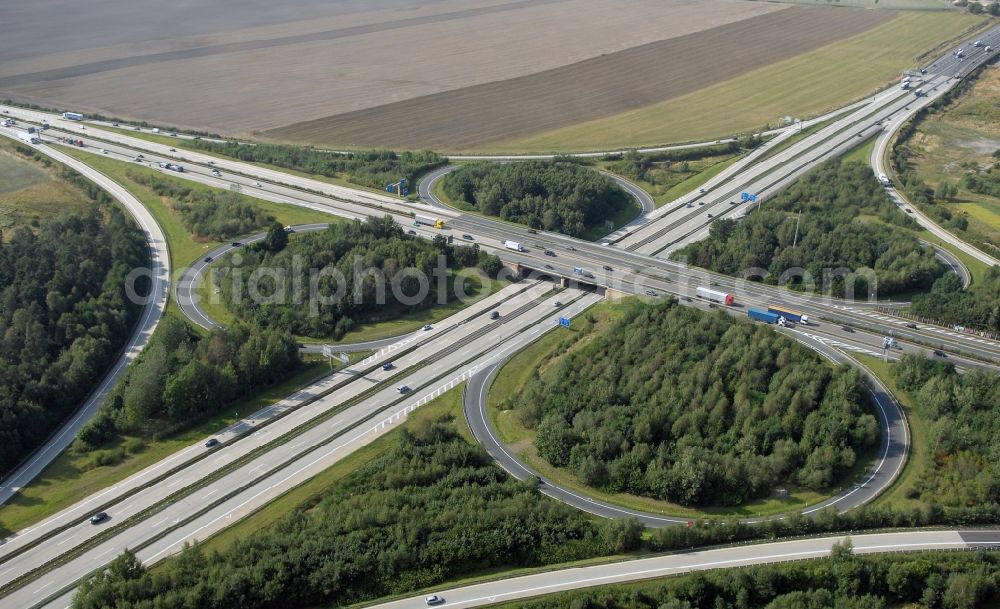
(532, 231)
(98, 518)
(211, 442)
(608, 268)
(173, 150)
(939, 353)
(495, 315)
(710, 216)
(467, 237)
(549, 266)
(557, 304)
(236, 244)
(549, 253)
(208, 258)
(411, 232)
(911, 326)
(570, 248)
(847, 328)
(388, 366)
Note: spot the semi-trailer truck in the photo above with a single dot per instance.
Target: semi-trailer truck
(714, 296)
(790, 314)
(513, 245)
(765, 316)
(72, 116)
(435, 222)
(28, 138)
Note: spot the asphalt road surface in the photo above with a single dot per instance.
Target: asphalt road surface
(150, 317)
(528, 586)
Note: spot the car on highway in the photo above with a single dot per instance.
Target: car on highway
(114, 124)
(428, 327)
(557, 304)
(532, 231)
(257, 184)
(103, 151)
(651, 293)
(911, 326)
(690, 204)
(847, 328)
(570, 248)
(608, 268)
(909, 211)
(99, 517)
(211, 442)
(467, 237)
(403, 388)
(411, 232)
(137, 128)
(388, 366)
(701, 190)
(710, 216)
(939, 353)
(495, 315)
(236, 244)
(701, 202)
(211, 162)
(550, 253)
(173, 150)
(208, 258)
(137, 160)
(433, 599)
(217, 173)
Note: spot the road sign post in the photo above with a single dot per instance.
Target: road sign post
(564, 322)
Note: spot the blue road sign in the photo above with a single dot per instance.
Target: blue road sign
(564, 322)
(403, 181)
(744, 196)
(388, 188)
(753, 198)
(406, 191)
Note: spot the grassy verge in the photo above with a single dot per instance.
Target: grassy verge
(31, 190)
(805, 85)
(696, 180)
(862, 153)
(156, 138)
(72, 477)
(547, 351)
(184, 247)
(917, 461)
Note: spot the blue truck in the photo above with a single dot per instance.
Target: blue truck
(765, 316)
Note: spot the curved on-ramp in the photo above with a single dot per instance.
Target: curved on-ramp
(893, 450)
(154, 306)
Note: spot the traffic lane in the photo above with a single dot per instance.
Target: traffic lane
(527, 586)
(894, 446)
(458, 326)
(25, 472)
(248, 498)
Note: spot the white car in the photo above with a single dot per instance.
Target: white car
(103, 151)
(434, 599)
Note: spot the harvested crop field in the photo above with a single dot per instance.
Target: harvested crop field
(237, 75)
(587, 90)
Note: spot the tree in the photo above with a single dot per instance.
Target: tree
(276, 239)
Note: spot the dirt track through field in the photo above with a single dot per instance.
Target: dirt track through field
(472, 117)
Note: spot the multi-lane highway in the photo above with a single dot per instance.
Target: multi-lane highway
(199, 490)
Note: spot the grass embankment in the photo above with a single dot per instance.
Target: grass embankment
(184, 247)
(31, 190)
(73, 475)
(897, 496)
(547, 352)
(961, 140)
(805, 85)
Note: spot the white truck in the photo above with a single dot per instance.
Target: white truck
(513, 245)
(884, 179)
(714, 296)
(28, 138)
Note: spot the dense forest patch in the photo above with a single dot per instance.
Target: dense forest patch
(693, 408)
(352, 257)
(847, 221)
(555, 196)
(64, 315)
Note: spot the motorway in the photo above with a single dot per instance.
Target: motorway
(549, 582)
(199, 491)
(266, 460)
(152, 312)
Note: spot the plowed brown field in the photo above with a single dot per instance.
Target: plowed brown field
(598, 87)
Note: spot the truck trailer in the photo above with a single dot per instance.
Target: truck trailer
(714, 296)
(424, 220)
(28, 138)
(765, 316)
(513, 245)
(790, 314)
(72, 116)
